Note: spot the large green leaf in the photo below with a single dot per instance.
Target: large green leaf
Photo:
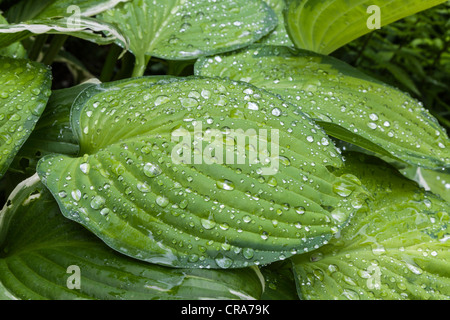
(348, 104)
(324, 26)
(85, 28)
(40, 249)
(396, 246)
(185, 30)
(147, 194)
(24, 92)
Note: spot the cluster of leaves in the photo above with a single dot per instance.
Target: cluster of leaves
(357, 207)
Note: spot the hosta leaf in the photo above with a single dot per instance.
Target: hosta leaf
(24, 92)
(278, 36)
(214, 202)
(436, 181)
(396, 246)
(41, 250)
(29, 9)
(15, 50)
(324, 26)
(185, 30)
(85, 28)
(53, 133)
(348, 104)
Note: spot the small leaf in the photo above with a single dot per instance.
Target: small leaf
(396, 246)
(185, 30)
(24, 92)
(224, 199)
(348, 104)
(42, 254)
(324, 26)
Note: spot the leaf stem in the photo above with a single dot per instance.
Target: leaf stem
(37, 46)
(140, 65)
(55, 45)
(110, 62)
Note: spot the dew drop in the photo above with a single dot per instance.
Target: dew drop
(162, 201)
(225, 184)
(97, 202)
(152, 170)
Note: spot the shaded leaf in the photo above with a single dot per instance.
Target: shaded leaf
(40, 251)
(324, 26)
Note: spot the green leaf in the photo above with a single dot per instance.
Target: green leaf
(85, 28)
(53, 133)
(185, 30)
(24, 92)
(436, 181)
(396, 246)
(40, 251)
(279, 36)
(30, 9)
(350, 105)
(15, 50)
(324, 26)
(198, 172)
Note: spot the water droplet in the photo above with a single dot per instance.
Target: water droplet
(223, 262)
(225, 184)
(248, 253)
(300, 210)
(143, 187)
(276, 112)
(152, 170)
(252, 106)
(161, 100)
(85, 167)
(208, 224)
(76, 195)
(189, 102)
(162, 201)
(343, 188)
(339, 216)
(62, 194)
(97, 202)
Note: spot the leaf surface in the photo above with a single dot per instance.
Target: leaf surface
(40, 250)
(324, 26)
(396, 246)
(185, 30)
(24, 92)
(86, 28)
(225, 199)
(348, 104)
